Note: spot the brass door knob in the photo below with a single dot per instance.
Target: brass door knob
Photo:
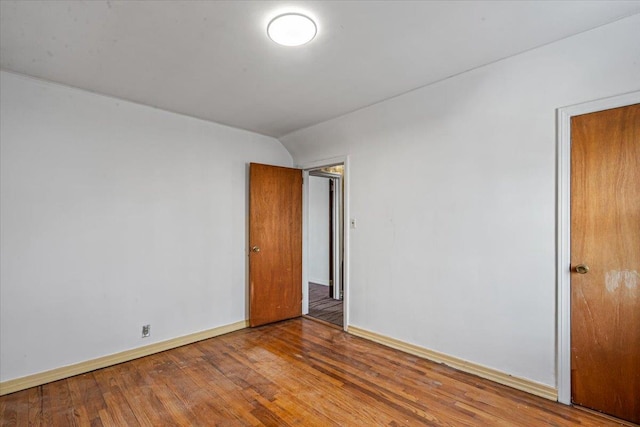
(255, 249)
(582, 269)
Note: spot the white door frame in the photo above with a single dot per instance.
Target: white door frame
(563, 237)
(344, 160)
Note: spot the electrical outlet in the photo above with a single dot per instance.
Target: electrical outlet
(146, 331)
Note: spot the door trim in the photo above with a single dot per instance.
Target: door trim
(305, 232)
(563, 230)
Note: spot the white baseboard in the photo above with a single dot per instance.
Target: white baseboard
(522, 384)
(40, 378)
(319, 282)
(34, 380)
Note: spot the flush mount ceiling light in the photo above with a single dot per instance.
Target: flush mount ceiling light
(292, 29)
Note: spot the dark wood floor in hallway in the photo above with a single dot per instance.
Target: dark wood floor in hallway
(322, 306)
(294, 373)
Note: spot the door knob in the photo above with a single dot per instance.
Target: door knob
(582, 269)
(255, 249)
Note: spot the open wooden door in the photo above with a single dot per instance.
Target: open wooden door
(275, 242)
(605, 261)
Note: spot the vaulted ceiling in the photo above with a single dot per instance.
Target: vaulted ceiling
(213, 59)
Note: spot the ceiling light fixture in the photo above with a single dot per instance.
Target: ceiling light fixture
(292, 29)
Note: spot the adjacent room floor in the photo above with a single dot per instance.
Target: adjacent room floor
(293, 373)
(322, 306)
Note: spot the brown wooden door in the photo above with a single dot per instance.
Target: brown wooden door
(605, 236)
(275, 242)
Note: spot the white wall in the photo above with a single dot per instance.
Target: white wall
(319, 230)
(115, 215)
(453, 187)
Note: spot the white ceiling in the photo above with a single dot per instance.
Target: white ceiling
(213, 60)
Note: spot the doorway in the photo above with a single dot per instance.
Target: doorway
(569, 268)
(325, 260)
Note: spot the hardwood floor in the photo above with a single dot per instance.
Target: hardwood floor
(297, 372)
(322, 306)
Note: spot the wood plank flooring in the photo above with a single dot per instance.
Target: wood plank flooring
(322, 306)
(294, 373)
